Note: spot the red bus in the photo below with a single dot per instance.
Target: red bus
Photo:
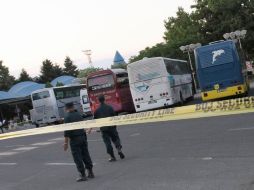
(114, 85)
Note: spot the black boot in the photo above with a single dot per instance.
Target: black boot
(82, 177)
(112, 157)
(90, 173)
(120, 153)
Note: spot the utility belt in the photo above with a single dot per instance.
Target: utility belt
(108, 128)
(77, 137)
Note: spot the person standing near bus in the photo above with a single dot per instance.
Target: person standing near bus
(109, 133)
(78, 143)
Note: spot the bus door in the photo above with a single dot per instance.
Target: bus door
(123, 93)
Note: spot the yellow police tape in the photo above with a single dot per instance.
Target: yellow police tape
(208, 109)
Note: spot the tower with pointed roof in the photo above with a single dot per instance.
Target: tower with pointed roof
(118, 59)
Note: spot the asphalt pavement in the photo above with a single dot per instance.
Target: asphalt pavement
(214, 153)
(198, 154)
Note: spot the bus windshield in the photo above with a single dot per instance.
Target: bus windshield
(67, 92)
(122, 79)
(175, 67)
(146, 69)
(40, 95)
(100, 82)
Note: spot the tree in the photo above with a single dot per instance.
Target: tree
(48, 85)
(208, 22)
(70, 68)
(58, 71)
(49, 71)
(6, 80)
(180, 30)
(223, 16)
(85, 72)
(119, 66)
(59, 83)
(24, 76)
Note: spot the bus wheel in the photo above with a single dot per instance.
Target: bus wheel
(181, 99)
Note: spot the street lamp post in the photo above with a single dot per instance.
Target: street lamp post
(190, 48)
(237, 35)
(88, 53)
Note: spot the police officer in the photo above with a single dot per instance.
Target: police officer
(78, 143)
(109, 133)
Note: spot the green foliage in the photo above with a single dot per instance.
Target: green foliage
(180, 30)
(24, 76)
(85, 72)
(6, 80)
(70, 68)
(49, 71)
(223, 16)
(58, 71)
(48, 85)
(119, 66)
(208, 22)
(59, 83)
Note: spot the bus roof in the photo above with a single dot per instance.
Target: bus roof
(108, 71)
(58, 87)
(214, 45)
(153, 58)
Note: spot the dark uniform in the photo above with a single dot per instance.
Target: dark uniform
(109, 132)
(78, 144)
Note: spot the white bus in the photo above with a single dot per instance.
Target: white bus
(85, 103)
(48, 103)
(159, 82)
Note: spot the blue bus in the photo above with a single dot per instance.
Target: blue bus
(220, 71)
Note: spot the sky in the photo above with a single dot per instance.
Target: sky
(35, 30)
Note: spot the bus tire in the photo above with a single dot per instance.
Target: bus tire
(181, 103)
(191, 98)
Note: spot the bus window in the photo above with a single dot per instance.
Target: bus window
(70, 92)
(41, 95)
(172, 67)
(59, 95)
(183, 68)
(122, 79)
(85, 99)
(101, 82)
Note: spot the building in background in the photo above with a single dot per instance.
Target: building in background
(118, 61)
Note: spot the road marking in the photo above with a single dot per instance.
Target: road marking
(25, 148)
(57, 139)
(43, 143)
(134, 134)
(13, 146)
(60, 164)
(8, 164)
(242, 129)
(207, 158)
(7, 153)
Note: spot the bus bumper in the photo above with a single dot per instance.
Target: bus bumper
(230, 91)
(144, 106)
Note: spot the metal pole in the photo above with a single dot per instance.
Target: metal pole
(240, 43)
(192, 72)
